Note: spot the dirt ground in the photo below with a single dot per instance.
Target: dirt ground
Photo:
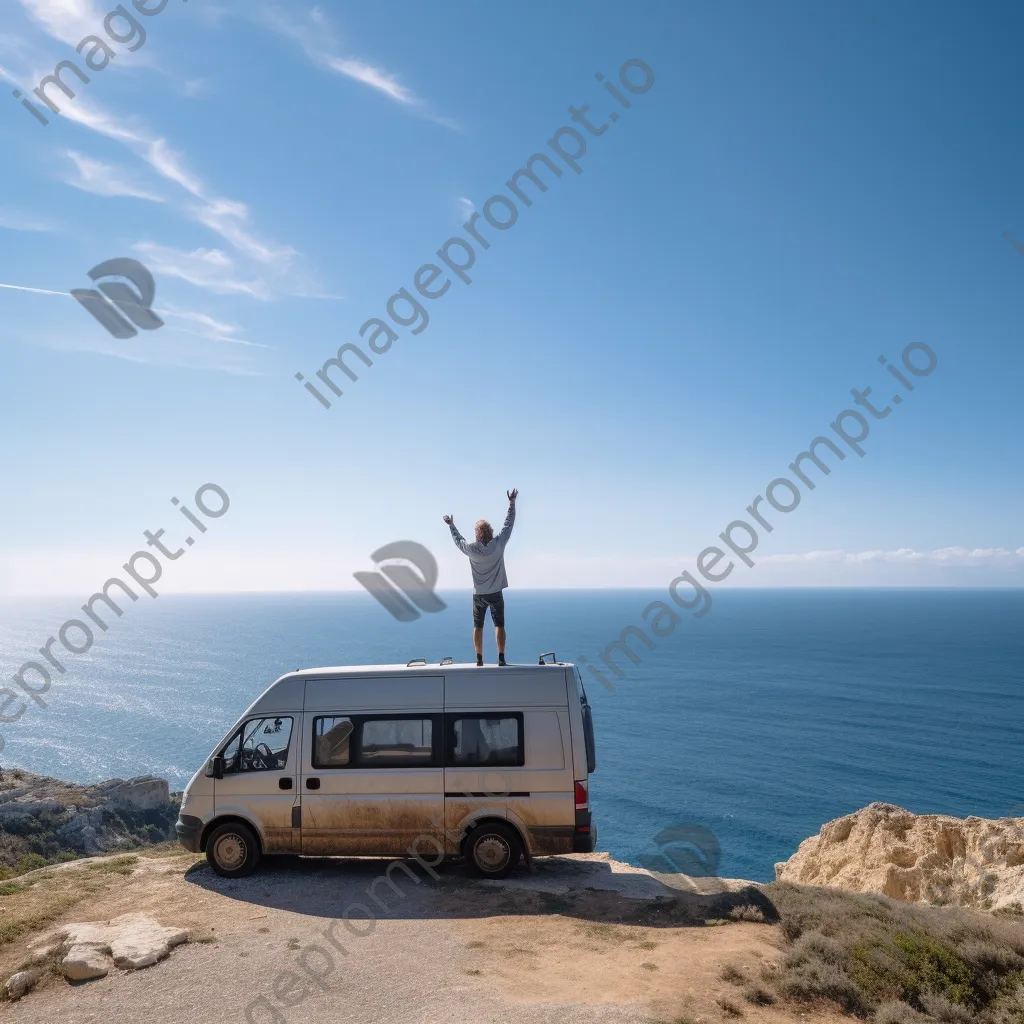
(579, 939)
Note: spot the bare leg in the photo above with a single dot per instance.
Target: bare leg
(478, 641)
(499, 638)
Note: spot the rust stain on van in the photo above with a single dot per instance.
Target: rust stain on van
(376, 814)
(281, 840)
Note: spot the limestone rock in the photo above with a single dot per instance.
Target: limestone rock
(930, 858)
(143, 793)
(130, 941)
(19, 984)
(85, 961)
(140, 941)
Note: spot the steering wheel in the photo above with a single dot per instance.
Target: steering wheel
(263, 756)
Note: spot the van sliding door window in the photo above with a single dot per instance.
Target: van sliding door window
(487, 741)
(358, 741)
(259, 746)
(331, 738)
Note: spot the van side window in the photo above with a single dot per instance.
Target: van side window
(259, 746)
(395, 743)
(331, 742)
(486, 741)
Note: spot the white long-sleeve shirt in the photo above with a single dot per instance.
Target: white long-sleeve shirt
(487, 560)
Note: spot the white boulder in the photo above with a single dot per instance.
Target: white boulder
(18, 984)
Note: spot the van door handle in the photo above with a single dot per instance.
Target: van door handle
(312, 783)
(284, 783)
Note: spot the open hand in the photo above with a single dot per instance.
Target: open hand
(511, 495)
(450, 520)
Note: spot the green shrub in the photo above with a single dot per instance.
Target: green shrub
(814, 979)
(902, 963)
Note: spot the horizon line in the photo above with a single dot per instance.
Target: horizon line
(551, 590)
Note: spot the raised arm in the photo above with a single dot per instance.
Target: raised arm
(506, 530)
(460, 541)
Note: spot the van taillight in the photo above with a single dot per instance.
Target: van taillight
(581, 796)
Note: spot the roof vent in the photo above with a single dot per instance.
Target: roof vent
(416, 661)
(548, 654)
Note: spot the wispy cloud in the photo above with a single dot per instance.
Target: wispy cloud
(951, 556)
(14, 220)
(315, 35)
(212, 269)
(227, 217)
(163, 349)
(67, 20)
(466, 207)
(102, 179)
(207, 327)
(194, 87)
(376, 78)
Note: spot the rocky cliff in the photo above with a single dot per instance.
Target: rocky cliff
(43, 820)
(929, 858)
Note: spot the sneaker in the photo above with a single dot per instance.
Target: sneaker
(479, 661)
(501, 661)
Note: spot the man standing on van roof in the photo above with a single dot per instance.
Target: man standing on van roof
(487, 560)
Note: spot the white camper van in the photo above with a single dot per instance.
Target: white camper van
(401, 760)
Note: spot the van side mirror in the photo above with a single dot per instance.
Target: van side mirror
(218, 767)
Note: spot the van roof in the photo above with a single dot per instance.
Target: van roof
(417, 668)
(537, 685)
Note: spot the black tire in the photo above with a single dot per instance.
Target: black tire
(494, 850)
(233, 850)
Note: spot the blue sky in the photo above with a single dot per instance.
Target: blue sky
(803, 189)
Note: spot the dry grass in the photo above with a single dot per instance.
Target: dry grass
(115, 865)
(758, 995)
(32, 905)
(732, 975)
(747, 913)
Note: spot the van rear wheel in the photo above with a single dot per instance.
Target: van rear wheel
(494, 850)
(233, 850)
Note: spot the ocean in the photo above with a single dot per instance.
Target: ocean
(774, 713)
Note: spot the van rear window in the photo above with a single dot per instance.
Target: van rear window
(395, 743)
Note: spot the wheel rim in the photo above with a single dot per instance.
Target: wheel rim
(492, 853)
(230, 851)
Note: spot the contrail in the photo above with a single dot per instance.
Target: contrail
(37, 291)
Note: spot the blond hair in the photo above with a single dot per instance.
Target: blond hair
(486, 529)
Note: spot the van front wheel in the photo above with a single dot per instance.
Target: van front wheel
(494, 850)
(233, 850)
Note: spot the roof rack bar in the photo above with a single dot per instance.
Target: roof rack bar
(547, 654)
(446, 661)
(416, 661)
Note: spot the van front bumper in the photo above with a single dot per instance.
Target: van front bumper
(189, 829)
